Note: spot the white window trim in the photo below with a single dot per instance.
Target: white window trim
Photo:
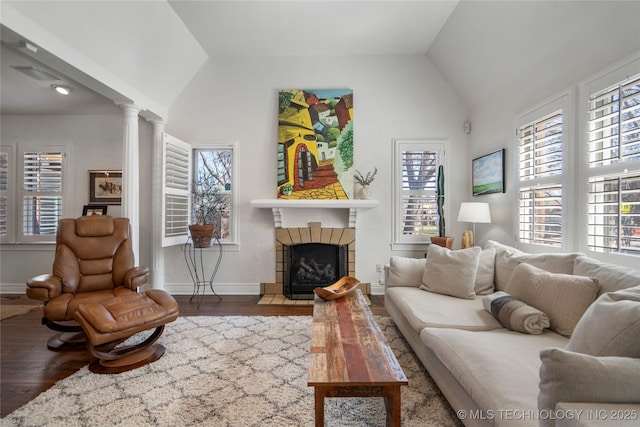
(565, 101)
(612, 75)
(398, 243)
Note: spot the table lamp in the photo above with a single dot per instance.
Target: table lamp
(473, 212)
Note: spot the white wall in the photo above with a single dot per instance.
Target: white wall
(394, 97)
(96, 144)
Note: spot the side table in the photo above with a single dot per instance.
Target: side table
(199, 268)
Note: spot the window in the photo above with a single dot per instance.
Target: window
(213, 170)
(613, 156)
(205, 168)
(416, 165)
(541, 153)
(32, 205)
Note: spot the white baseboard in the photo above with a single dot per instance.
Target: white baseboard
(13, 288)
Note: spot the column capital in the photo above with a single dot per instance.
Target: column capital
(128, 107)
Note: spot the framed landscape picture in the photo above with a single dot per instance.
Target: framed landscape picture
(488, 173)
(105, 187)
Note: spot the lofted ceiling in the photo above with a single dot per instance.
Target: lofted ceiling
(479, 46)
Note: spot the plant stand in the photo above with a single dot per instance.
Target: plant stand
(194, 256)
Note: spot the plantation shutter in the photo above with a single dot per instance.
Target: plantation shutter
(176, 161)
(540, 180)
(419, 198)
(42, 192)
(614, 124)
(614, 183)
(5, 162)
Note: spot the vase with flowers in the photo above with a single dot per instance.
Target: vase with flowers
(364, 181)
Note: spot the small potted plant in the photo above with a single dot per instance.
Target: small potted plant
(207, 202)
(286, 189)
(364, 181)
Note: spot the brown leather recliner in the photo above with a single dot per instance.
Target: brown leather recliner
(94, 263)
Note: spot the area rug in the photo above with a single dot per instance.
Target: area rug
(229, 371)
(7, 311)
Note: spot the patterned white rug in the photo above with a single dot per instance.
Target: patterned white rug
(229, 371)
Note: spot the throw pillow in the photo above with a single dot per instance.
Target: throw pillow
(451, 272)
(566, 376)
(405, 271)
(563, 297)
(485, 274)
(514, 314)
(508, 258)
(611, 277)
(610, 326)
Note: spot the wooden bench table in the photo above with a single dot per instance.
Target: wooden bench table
(350, 356)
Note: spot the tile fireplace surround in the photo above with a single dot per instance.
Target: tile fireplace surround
(313, 233)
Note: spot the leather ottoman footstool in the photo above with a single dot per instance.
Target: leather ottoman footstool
(109, 323)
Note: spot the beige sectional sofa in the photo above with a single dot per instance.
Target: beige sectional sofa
(581, 366)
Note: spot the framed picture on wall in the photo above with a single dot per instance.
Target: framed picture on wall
(488, 173)
(105, 187)
(90, 210)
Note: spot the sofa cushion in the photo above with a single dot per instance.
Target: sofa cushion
(405, 271)
(498, 369)
(566, 376)
(610, 326)
(508, 258)
(563, 297)
(451, 272)
(485, 274)
(514, 314)
(611, 277)
(426, 309)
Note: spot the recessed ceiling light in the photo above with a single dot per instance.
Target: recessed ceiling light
(62, 90)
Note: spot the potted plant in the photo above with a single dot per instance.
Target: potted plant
(286, 189)
(364, 181)
(207, 202)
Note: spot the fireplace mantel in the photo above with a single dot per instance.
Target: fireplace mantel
(276, 206)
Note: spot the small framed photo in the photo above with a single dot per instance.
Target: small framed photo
(488, 173)
(90, 210)
(105, 187)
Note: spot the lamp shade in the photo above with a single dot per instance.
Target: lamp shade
(475, 212)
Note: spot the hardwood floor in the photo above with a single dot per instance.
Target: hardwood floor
(28, 368)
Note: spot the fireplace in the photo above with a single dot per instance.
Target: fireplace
(323, 245)
(311, 265)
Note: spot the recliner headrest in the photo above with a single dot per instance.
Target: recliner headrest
(95, 226)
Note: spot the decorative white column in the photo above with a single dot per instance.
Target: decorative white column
(131, 174)
(157, 251)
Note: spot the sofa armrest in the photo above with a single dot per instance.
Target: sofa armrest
(136, 277)
(44, 287)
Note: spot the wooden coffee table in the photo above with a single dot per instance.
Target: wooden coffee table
(350, 356)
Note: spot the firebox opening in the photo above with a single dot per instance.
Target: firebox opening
(311, 265)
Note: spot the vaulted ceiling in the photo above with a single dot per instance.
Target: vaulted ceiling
(119, 50)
